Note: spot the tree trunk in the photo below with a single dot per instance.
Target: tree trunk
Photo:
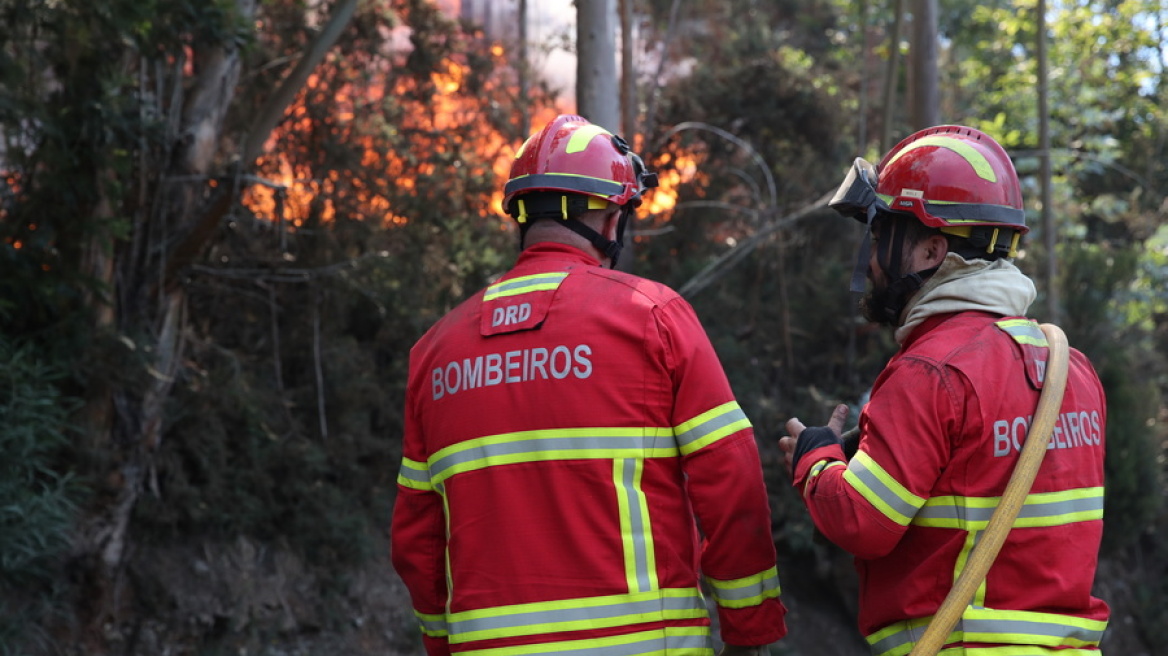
(128, 423)
(890, 76)
(1049, 230)
(597, 91)
(628, 99)
(926, 105)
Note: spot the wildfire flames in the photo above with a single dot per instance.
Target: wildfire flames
(391, 165)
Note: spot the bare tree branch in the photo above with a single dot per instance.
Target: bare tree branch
(728, 260)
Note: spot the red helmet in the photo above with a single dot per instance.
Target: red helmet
(952, 177)
(575, 156)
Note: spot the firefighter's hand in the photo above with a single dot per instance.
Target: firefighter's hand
(732, 650)
(822, 436)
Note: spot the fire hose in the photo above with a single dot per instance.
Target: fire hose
(1002, 520)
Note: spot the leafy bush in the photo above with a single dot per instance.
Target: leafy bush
(38, 504)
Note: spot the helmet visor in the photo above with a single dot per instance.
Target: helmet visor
(857, 193)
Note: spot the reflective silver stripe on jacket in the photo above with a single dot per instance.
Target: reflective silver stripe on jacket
(984, 625)
(747, 591)
(1040, 509)
(576, 614)
(524, 284)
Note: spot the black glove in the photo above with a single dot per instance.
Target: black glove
(811, 439)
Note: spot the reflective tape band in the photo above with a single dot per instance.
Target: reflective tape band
(817, 469)
(1038, 510)
(669, 604)
(550, 445)
(1019, 650)
(414, 475)
(525, 284)
(1008, 627)
(1024, 331)
(636, 536)
(432, 625)
(669, 641)
(881, 490)
(746, 592)
(710, 426)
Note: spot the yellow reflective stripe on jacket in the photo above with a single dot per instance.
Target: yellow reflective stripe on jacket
(1040, 509)
(987, 625)
(523, 284)
(881, 490)
(538, 618)
(636, 536)
(1024, 331)
(747, 591)
(414, 475)
(817, 469)
(548, 445)
(1016, 650)
(432, 625)
(670, 641)
(710, 426)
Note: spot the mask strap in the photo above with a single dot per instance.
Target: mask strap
(860, 272)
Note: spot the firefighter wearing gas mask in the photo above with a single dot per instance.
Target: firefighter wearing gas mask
(946, 419)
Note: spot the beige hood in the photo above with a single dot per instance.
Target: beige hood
(960, 285)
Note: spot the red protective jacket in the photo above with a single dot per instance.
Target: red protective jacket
(939, 440)
(564, 428)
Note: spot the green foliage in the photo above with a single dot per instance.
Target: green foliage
(38, 503)
(285, 427)
(1098, 284)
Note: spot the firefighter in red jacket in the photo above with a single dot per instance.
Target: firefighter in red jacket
(568, 431)
(947, 417)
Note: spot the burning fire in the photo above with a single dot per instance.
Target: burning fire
(673, 171)
(402, 132)
(442, 115)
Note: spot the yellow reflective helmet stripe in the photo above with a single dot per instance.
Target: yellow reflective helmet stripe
(978, 161)
(747, 591)
(884, 492)
(582, 137)
(524, 284)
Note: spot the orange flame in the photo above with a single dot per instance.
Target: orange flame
(447, 115)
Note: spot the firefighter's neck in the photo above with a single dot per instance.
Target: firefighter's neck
(546, 230)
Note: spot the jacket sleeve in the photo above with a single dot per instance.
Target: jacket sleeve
(865, 506)
(725, 485)
(418, 537)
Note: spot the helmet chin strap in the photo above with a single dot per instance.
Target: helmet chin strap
(607, 247)
(901, 289)
(563, 210)
(860, 272)
(890, 257)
